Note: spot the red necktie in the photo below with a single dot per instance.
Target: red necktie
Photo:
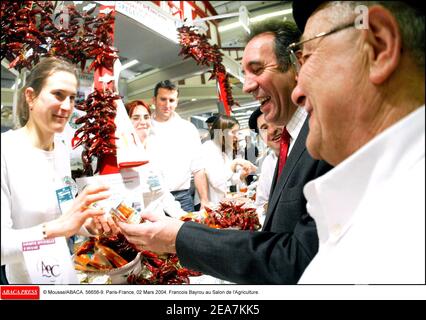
(284, 143)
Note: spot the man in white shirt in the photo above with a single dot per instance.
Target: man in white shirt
(176, 147)
(370, 209)
(271, 135)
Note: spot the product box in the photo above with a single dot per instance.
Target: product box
(126, 200)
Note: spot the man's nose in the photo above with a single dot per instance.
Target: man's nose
(298, 96)
(272, 133)
(249, 85)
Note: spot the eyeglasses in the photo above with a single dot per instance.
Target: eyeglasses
(294, 47)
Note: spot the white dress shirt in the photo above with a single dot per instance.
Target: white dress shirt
(370, 211)
(295, 125)
(264, 183)
(175, 148)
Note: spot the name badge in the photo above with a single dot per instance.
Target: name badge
(65, 198)
(154, 183)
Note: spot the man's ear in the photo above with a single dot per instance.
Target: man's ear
(385, 40)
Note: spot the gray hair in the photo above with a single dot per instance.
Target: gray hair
(411, 23)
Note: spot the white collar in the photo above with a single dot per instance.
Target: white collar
(296, 122)
(334, 197)
(173, 116)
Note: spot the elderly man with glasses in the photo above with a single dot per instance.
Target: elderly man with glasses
(364, 89)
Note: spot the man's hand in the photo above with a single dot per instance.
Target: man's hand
(157, 234)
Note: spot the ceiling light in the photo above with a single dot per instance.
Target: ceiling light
(250, 105)
(229, 26)
(255, 19)
(129, 64)
(270, 15)
(242, 117)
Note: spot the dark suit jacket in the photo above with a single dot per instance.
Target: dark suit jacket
(281, 251)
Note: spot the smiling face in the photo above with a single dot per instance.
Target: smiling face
(333, 87)
(51, 109)
(270, 133)
(264, 79)
(141, 121)
(165, 103)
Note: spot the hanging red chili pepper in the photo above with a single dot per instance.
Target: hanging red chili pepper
(196, 46)
(34, 29)
(98, 127)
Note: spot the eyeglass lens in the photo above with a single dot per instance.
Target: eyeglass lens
(294, 61)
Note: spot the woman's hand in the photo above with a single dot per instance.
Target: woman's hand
(246, 167)
(70, 222)
(103, 225)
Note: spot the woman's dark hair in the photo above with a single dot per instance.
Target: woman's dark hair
(217, 131)
(37, 80)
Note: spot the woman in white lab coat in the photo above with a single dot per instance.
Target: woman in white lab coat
(35, 168)
(222, 167)
(156, 197)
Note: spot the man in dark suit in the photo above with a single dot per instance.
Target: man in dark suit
(281, 251)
